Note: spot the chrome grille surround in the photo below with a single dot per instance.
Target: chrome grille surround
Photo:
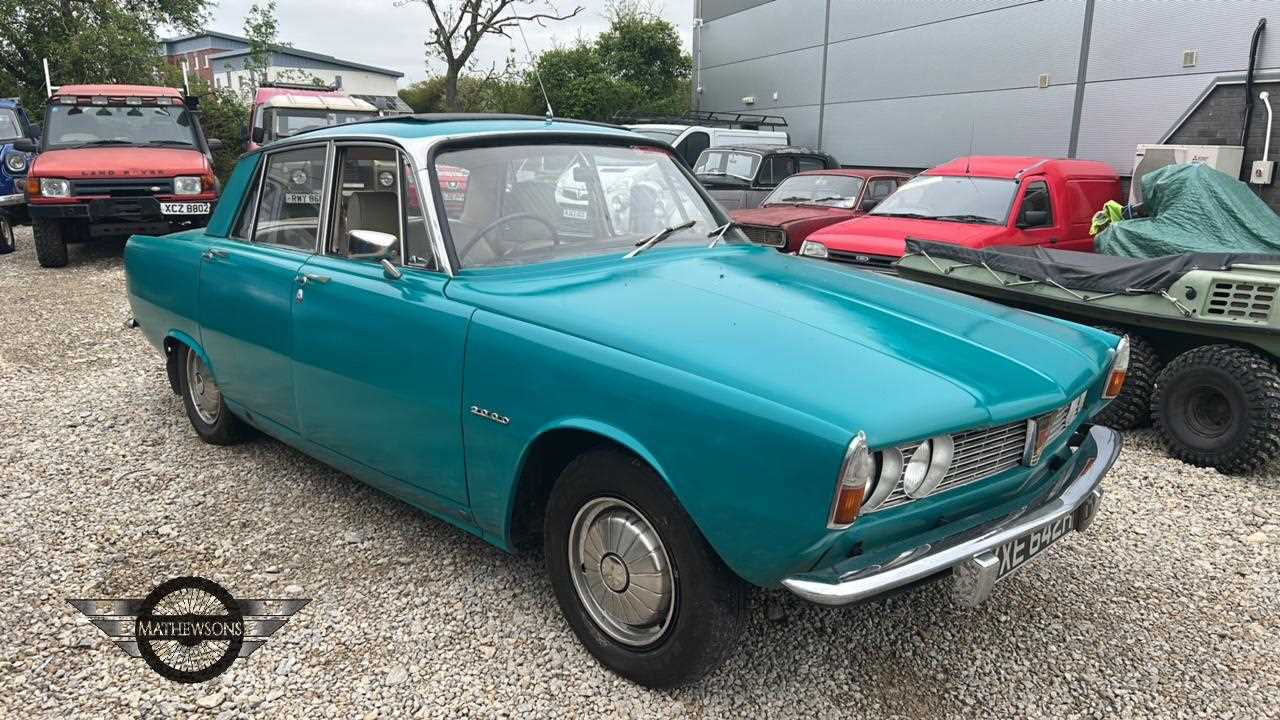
(981, 453)
(765, 235)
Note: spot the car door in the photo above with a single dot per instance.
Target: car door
(378, 353)
(1035, 222)
(248, 281)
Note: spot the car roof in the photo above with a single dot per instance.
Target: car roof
(1014, 166)
(855, 172)
(118, 90)
(426, 125)
(9, 103)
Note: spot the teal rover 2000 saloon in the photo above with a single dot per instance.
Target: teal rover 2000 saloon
(583, 352)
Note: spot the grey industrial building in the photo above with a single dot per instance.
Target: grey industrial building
(911, 83)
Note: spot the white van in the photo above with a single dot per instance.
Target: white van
(692, 134)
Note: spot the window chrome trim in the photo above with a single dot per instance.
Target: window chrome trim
(262, 174)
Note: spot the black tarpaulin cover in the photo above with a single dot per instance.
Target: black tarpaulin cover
(1089, 271)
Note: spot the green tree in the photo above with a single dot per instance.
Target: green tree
(645, 51)
(110, 41)
(262, 31)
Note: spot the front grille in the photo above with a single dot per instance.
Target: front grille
(979, 454)
(764, 235)
(880, 262)
(132, 187)
(1240, 299)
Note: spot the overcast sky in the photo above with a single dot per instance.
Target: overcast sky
(376, 32)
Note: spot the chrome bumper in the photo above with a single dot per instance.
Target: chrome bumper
(14, 199)
(972, 558)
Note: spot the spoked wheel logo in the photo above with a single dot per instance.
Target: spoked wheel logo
(189, 629)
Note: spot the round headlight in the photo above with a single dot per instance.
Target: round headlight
(929, 463)
(386, 179)
(16, 162)
(890, 473)
(299, 177)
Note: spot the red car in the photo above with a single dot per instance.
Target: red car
(812, 200)
(977, 202)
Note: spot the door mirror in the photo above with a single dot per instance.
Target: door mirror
(244, 133)
(26, 145)
(1033, 218)
(214, 144)
(371, 244)
(869, 203)
(36, 131)
(258, 135)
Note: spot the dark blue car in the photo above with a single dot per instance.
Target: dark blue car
(14, 125)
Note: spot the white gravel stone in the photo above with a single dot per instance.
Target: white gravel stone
(1160, 610)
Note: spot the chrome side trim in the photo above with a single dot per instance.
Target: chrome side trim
(1095, 456)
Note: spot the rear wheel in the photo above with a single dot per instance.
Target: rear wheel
(206, 409)
(1219, 406)
(1132, 407)
(50, 242)
(642, 589)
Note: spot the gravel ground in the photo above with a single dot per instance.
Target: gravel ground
(1167, 607)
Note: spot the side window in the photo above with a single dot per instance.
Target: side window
(881, 189)
(692, 146)
(775, 169)
(1036, 208)
(418, 250)
(368, 215)
(289, 201)
(810, 163)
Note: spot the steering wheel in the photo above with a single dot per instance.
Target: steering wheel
(555, 236)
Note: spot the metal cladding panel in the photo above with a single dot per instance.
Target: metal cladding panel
(714, 9)
(768, 29)
(859, 18)
(926, 131)
(795, 76)
(1118, 116)
(959, 55)
(1144, 39)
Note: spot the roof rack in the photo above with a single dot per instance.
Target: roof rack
(749, 121)
(455, 117)
(296, 86)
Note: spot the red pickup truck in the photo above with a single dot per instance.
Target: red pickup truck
(977, 202)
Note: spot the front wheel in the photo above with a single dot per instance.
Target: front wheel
(636, 580)
(51, 243)
(1219, 406)
(206, 409)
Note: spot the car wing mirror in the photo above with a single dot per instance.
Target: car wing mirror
(36, 131)
(26, 145)
(214, 144)
(258, 135)
(869, 203)
(371, 244)
(1033, 218)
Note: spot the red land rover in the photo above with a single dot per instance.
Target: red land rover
(116, 160)
(977, 202)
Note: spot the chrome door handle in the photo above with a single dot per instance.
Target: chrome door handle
(212, 253)
(308, 278)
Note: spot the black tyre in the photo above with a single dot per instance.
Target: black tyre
(50, 242)
(1219, 406)
(1132, 407)
(206, 409)
(649, 598)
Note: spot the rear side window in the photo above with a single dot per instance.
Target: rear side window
(775, 169)
(809, 163)
(289, 202)
(881, 189)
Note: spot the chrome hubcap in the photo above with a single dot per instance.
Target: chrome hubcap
(205, 396)
(621, 571)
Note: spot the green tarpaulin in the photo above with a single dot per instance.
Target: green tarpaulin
(1194, 208)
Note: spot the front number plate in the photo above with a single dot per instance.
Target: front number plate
(1015, 553)
(184, 208)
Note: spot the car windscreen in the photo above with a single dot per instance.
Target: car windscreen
(959, 199)
(10, 127)
(78, 125)
(832, 190)
(728, 162)
(284, 122)
(598, 200)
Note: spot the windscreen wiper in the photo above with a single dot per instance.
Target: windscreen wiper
(718, 233)
(658, 237)
(967, 218)
(917, 216)
(93, 143)
(174, 143)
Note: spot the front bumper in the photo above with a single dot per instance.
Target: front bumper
(12, 199)
(970, 555)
